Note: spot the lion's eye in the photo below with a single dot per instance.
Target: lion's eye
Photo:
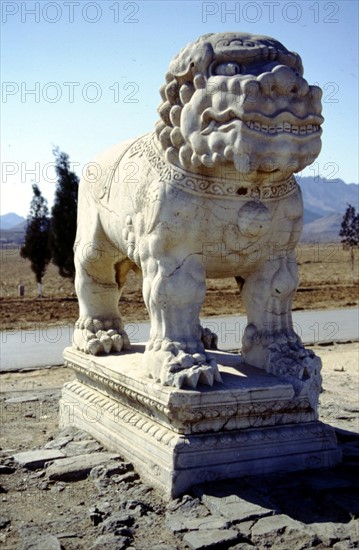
(227, 69)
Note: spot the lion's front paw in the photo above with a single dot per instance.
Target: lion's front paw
(280, 353)
(177, 368)
(95, 336)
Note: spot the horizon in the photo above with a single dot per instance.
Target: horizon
(88, 77)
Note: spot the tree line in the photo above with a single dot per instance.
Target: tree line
(51, 237)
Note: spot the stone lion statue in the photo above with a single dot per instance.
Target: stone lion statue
(210, 193)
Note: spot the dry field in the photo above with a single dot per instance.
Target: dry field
(325, 274)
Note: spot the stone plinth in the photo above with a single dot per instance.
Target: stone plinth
(251, 423)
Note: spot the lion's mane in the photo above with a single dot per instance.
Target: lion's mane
(189, 71)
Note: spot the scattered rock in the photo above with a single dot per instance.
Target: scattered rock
(111, 542)
(100, 512)
(139, 507)
(200, 540)
(244, 546)
(43, 485)
(41, 542)
(77, 467)
(32, 460)
(188, 506)
(128, 477)
(58, 442)
(4, 522)
(116, 523)
(329, 533)
(110, 469)
(222, 499)
(179, 523)
(344, 545)
(22, 399)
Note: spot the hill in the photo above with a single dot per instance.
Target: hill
(11, 220)
(323, 230)
(323, 197)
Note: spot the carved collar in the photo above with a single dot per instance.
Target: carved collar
(206, 186)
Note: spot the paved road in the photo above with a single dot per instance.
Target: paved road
(44, 346)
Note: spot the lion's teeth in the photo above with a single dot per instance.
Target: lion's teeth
(283, 127)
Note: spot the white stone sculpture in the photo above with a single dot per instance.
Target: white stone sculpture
(210, 194)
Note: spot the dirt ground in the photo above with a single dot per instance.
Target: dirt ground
(31, 506)
(324, 269)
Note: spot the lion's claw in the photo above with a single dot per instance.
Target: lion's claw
(91, 337)
(172, 366)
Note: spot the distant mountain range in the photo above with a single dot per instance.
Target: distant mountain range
(325, 202)
(11, 220)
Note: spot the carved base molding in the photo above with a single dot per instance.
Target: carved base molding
(251, 424)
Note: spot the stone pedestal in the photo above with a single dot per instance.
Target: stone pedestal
(252, 423)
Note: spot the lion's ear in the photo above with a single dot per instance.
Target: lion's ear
(193, 59)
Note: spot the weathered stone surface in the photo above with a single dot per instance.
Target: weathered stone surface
(75, 448)
(280, 530)
(330, 533)
(36, 459)
(275, 524)
(155, 427)
(200, 540)
(77, 467)
(41, 542)
(235, 508)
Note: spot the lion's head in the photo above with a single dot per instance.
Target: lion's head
(241, 99)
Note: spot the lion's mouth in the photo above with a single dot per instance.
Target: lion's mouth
(284, 127)
(286, 123)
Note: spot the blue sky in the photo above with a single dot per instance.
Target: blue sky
(84, 75)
